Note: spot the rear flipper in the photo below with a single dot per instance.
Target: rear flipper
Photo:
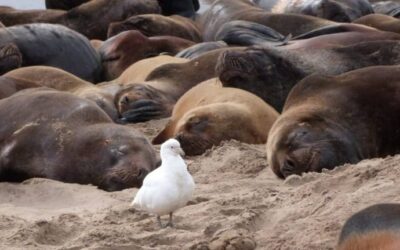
(244, 33)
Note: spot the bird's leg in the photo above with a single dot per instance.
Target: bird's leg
(159, 221)
(170, 221)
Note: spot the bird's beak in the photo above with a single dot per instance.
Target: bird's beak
(181, 152)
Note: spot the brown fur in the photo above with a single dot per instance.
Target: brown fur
(90, 19)
(208, 114)
(381, 22)
(158, 25)
(379, 240)
(123, 50)
(64, 81)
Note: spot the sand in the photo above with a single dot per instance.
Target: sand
(238, 204)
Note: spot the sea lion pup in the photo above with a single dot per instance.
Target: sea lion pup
(328, 121)
(158, 25)
(335, 10)
(186, 8)
(223, 11)
(64, 81)
(375, 227)
(60, 136)
(381, 22)
(50, 45)
(270, 72)
(126, 48)
(90, 19)
(208, 114)
(391, 8)
(155, 97)
(64, 4)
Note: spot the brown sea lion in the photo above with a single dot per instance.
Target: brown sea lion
(158, 25)
(50, 45)
(64, 4)
(270, 72)
(208, 114)
(9, 86)
(335, 10)
(375, 227)
(155, 97)
(328, 121)
(126, 48)
(64, 81)
(381, 22)
(223, 11)
(60, 136)
(90, 19)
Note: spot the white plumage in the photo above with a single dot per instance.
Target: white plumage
(167, 188)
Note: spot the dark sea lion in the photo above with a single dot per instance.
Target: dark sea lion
(375, 227)
(381, 22)
(158, 25)
(201, 48)
(335, 10)
(270, 72)
(126, 48)
(155, 97)
(64, 4)
(50, 45)
(208, 114)
(328, 121)
(63, 81)
(90, 19)
(186, 8)
(59, 136)
(391, 8)
(223, 11)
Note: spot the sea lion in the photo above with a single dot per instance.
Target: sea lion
(63, 81)
(208, 114)
(375, 227)
(335, 10)
(9, 86)
(391, 8)
(223, 11)
(158, 25)
(60, 136)
(155, 97)
(328, 121)
(50, 45)
(126, 48)
(186, 8)
(270, 72)
(381, 22)
(64, 4)
(90, 19)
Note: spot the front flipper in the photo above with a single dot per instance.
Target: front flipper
(144, 110)
(244, 33)
(199, 49)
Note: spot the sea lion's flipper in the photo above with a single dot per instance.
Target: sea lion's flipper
(245, 33)
(199, 49)
(144, 110)
(331, 29)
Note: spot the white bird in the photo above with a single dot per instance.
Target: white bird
(167, 188)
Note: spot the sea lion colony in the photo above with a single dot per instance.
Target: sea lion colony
(317, 82)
